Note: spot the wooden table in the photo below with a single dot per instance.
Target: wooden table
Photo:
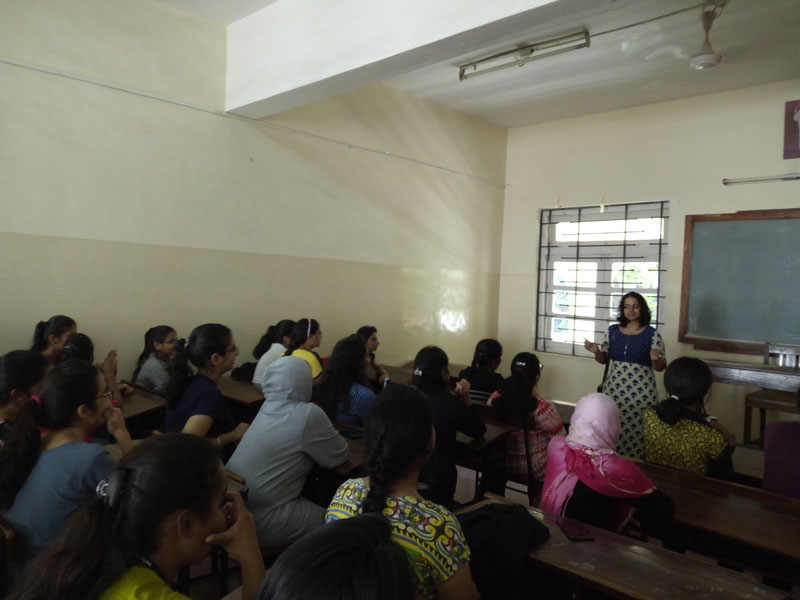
(141, 402)
(495, 434)
(737, 523)
(400, 374)
(244, 397)
(624, 568)
(770, 377)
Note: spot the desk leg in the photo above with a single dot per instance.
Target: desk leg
(748, 422)
(762, 422)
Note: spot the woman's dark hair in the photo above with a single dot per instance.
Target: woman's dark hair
(80, 346)
(56, 325)
(347, 559)
(644, 310)
(300, 333)
(516, 395)
(20, 370)
(275, 333)
(428, 365)
(68, 385)
(154, 335)
(163, 474)
(366, 331)
(486, 351)
(344, 367)
(687, 380)
(399, 425)
(204, 341)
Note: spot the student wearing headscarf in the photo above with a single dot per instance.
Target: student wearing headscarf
(586, 480)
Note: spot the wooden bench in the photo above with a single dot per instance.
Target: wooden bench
(735, 523)
(623, 568)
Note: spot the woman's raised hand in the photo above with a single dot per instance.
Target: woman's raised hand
(590, 346)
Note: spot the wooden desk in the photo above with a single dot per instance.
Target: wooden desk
(400, 374)
(495, 434)
(770, 377)
(141, 402)
(244, 398)
(624, 568)
(354, 467)
(234, 595)
(737, 523)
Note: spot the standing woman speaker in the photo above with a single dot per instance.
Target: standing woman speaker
(635, 350)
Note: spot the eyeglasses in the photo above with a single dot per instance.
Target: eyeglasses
(109, 395)
(169, 341)
(234, 349)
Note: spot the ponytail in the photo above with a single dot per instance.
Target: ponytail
(399, 425)
(68, 385)
(274, 335)
(101, 540)
(56, 325)
(687, 380)
(204, 341)
(78, 346)
(153, 335)
(516, 394)
(428, 366)
(486, 351)
(300, 333)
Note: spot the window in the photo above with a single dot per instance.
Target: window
(588, 259)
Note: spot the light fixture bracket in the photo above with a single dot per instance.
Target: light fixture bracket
(517, 57)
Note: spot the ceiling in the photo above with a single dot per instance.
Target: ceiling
(637, 65)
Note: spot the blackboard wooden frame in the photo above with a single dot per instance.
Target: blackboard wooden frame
(704, 343)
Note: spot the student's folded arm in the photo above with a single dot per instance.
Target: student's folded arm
(321, 441)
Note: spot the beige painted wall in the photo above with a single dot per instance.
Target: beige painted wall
(679, 151)
(125, 211)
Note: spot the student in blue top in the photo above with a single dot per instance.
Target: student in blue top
(341, 390)
(162, 508)
(21, 374)
(45, 478)
(194, 402)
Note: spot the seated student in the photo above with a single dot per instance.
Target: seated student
(288, 436)
(341, 389)
(586, 480)
(400, 439)
(271, 345)
(21, 374)
(518, 397)
(163, 507)
(44, 479)
(677, 432)
(376, 374)
(483, 380)
(49, 336)
(451, 413)
(781, 447)
(345, 560)
(306, 335)
(80, 346)
(194, 402)
(152, 366)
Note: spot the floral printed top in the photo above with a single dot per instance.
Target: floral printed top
(428, 532)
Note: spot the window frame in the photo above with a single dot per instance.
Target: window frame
(603, 252)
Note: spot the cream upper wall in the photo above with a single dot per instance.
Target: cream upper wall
(678, 151)
(140, 179)
(142, 45)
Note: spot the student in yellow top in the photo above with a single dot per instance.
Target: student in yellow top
(677, 431)
(163, 507)
(306, 335)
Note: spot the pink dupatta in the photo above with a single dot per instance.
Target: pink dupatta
(587, 454)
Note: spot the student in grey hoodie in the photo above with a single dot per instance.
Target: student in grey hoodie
(287, 437)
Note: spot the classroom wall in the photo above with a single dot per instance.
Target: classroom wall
(125, 211)
(679, 151)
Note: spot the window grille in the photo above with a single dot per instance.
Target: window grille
(589, 257)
